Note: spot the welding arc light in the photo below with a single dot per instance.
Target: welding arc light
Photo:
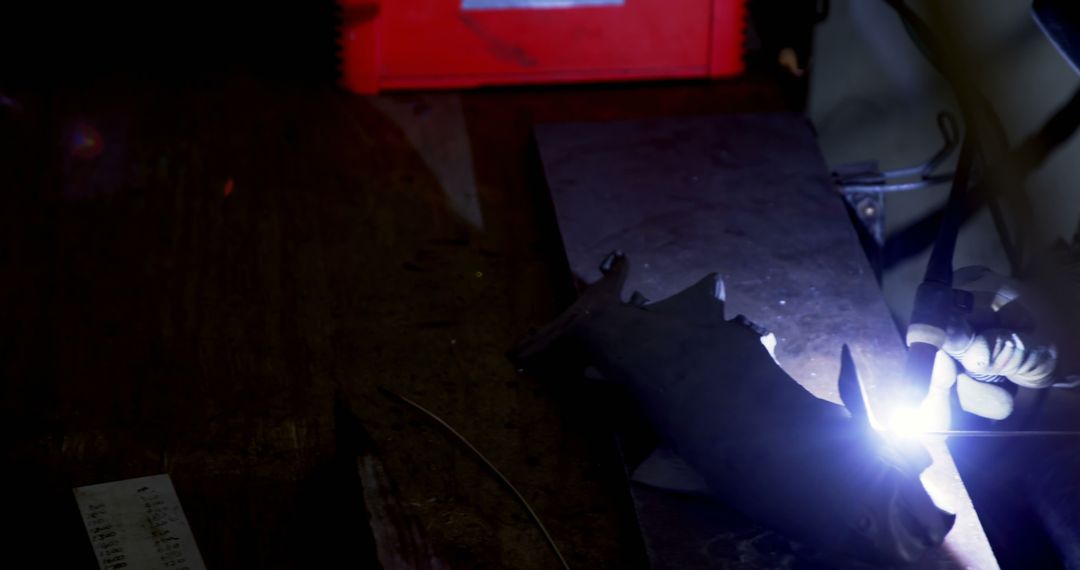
(930, 415)
(910, 421)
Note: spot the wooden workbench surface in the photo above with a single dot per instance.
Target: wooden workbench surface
(156, 322)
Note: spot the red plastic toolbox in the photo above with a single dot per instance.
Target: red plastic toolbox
(419, 44)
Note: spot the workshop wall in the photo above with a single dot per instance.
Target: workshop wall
(873, 96)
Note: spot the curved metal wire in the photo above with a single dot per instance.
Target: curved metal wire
(490, 466)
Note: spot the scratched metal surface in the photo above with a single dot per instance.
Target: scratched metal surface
(747, 196)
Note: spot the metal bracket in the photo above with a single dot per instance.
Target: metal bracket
(866, 176)
(864, 184)
(869, 207)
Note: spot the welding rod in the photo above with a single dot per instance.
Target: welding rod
(1002, 433)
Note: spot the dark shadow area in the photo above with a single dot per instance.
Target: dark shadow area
(173, 43)
(331, 500)
(1015, 530)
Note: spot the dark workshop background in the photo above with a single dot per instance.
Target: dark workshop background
(237, 342)
(154, 322)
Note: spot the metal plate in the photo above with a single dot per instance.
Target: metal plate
(747, 196)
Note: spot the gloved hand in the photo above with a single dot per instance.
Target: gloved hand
(997, 345)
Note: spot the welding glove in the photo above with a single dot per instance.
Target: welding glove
(997, 345)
